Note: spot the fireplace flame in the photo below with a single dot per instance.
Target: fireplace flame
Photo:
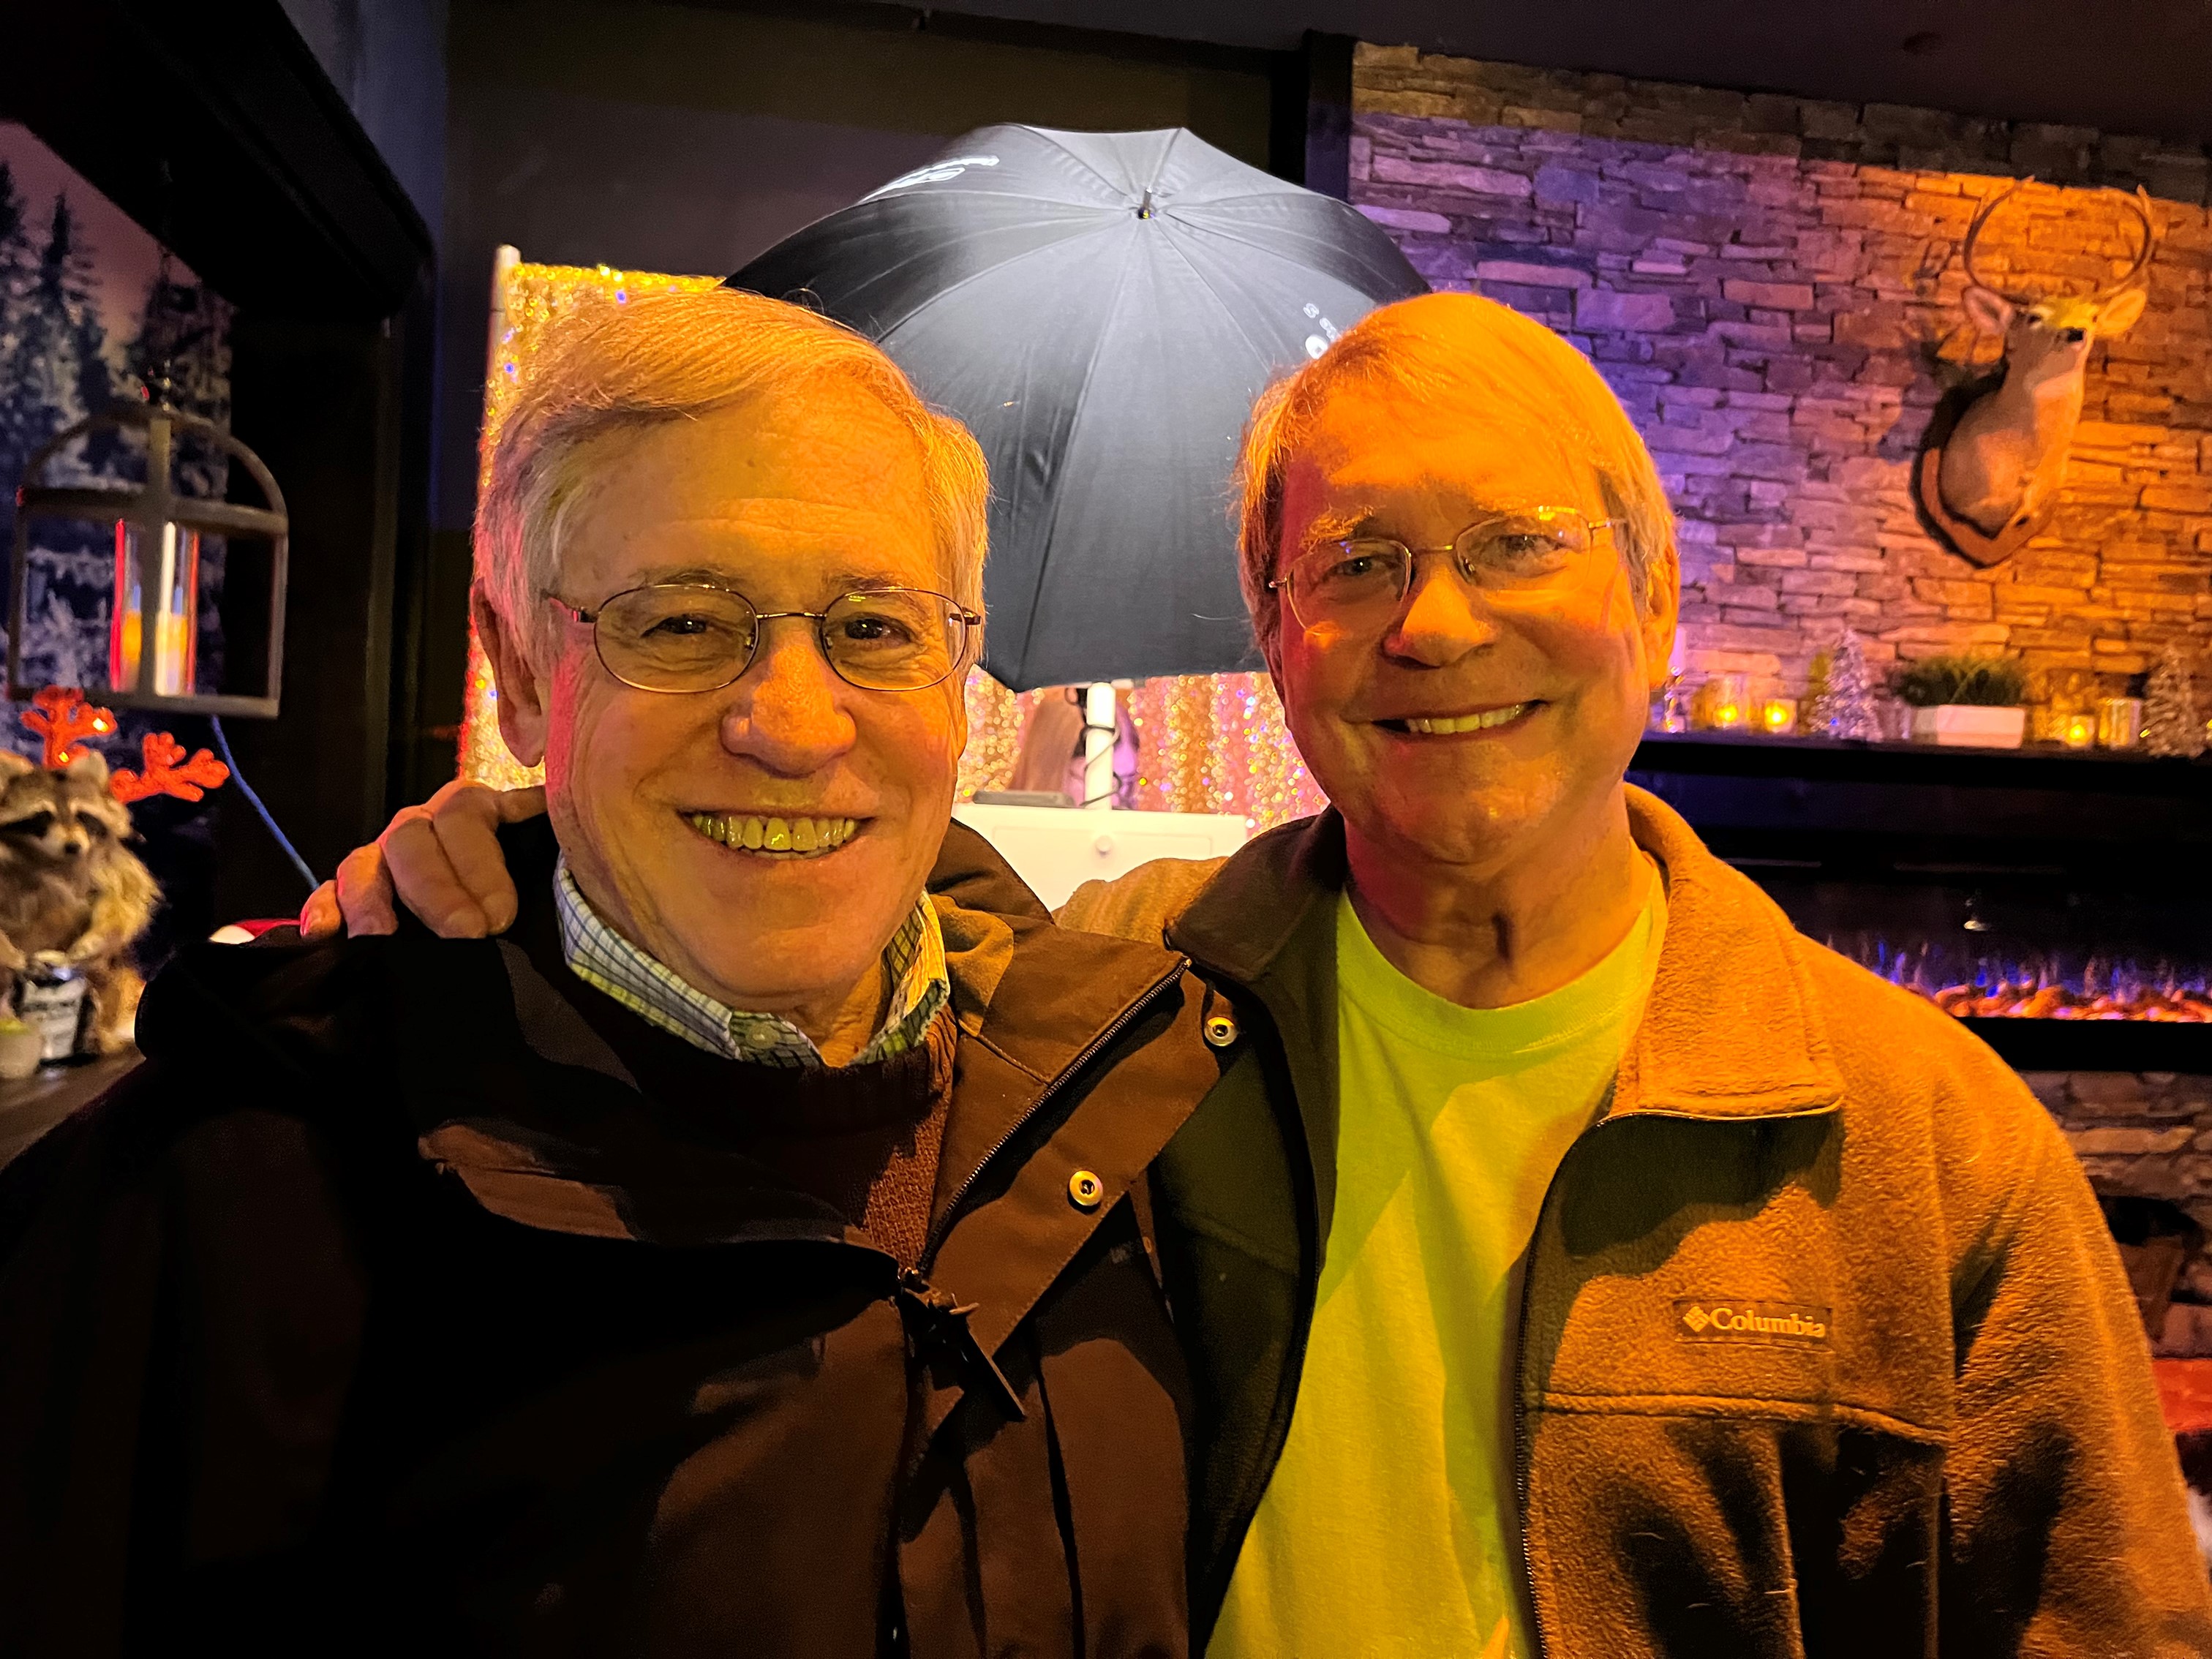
(1988, 988)
(2008, 1001)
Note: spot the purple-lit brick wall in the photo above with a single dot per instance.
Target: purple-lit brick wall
(1771, 284)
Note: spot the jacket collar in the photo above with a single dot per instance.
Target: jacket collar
(1263, 896)
(1732, 1029)
(1266, 922)
(1033, 1000)
(512, 1090)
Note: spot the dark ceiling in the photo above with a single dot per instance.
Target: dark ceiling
(2123, 66)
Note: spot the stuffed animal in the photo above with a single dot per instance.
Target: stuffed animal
(71, 891)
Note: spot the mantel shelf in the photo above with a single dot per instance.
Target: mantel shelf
(1826, 760)
(1810, 800)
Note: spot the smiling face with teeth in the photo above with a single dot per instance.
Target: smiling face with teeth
(765, 840)
(1483, 727)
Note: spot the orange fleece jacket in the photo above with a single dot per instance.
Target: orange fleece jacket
(1828, 1349)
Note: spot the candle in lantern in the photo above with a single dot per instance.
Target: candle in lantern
(1778, 715)
(166, 593)
(2078, 730)
(156, 529)
(1723, 703)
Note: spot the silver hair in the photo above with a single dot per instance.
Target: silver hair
(656, 358)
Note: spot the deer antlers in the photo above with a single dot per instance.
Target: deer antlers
(2139, 203)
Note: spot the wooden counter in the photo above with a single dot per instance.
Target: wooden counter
(30, 1107)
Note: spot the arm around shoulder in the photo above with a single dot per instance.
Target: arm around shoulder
(1140, 904)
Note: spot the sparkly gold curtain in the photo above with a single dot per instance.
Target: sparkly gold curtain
(535, 295)
(1205, 743)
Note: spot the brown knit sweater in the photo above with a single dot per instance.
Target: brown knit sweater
(863, 1138)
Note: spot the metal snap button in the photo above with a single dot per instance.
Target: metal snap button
(1085, 1190)
(1220, 1030)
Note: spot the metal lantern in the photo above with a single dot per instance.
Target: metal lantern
(157, 530)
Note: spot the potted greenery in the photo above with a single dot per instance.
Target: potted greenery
(1966, 701)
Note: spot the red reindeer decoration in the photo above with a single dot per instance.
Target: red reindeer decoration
(74, 898)
(61, 717)
(164, 775)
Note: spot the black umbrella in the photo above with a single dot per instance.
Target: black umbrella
(1101, 308)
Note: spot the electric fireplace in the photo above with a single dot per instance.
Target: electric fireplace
(2060, 903)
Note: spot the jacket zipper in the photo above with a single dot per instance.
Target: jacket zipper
(1085, 1055)
(940, 1324)
(1521, 1349)
(1520, 1404)
(1294, 1367)
(940, 1307)
(1536, 1644)
(1294, 1358)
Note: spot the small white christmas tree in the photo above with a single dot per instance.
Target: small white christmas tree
(1845, 705)
(2171, 723)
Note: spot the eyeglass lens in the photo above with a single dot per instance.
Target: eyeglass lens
(673, 637)
(1363, 580)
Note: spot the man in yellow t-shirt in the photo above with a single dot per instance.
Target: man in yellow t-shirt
(1387, 1526)
(1812, 1341)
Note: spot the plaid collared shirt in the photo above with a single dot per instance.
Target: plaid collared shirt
(914, 965)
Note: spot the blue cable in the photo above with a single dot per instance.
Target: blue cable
(245, 789)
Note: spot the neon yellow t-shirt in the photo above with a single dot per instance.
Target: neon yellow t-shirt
(1390, 1525)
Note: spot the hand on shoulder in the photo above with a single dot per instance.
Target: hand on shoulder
(441, 859)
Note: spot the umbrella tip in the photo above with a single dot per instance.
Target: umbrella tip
(1145, 207)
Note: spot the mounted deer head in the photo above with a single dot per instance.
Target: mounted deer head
(1999, 472)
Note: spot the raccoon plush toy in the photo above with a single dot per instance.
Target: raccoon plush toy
(69, 888)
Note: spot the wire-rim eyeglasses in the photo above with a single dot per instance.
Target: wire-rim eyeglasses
(683, 637)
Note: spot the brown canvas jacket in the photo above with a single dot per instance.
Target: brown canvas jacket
(380, 1312)
(1826, 1350)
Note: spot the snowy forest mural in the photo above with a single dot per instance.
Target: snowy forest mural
(89, 308)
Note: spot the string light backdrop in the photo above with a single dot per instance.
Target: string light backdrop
(1210, 743)
(1205, 743)
(530, 296)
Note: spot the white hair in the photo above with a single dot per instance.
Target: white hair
(626, 366)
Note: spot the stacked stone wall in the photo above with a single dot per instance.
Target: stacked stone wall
(2147, 1135)
(1773, 286)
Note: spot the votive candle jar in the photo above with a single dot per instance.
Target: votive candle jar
(1724, 702)
(2119, 722)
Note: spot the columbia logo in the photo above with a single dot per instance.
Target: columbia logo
(1733, 1319)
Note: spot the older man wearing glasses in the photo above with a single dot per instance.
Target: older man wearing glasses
(750, 1251)
(1575, 1260)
